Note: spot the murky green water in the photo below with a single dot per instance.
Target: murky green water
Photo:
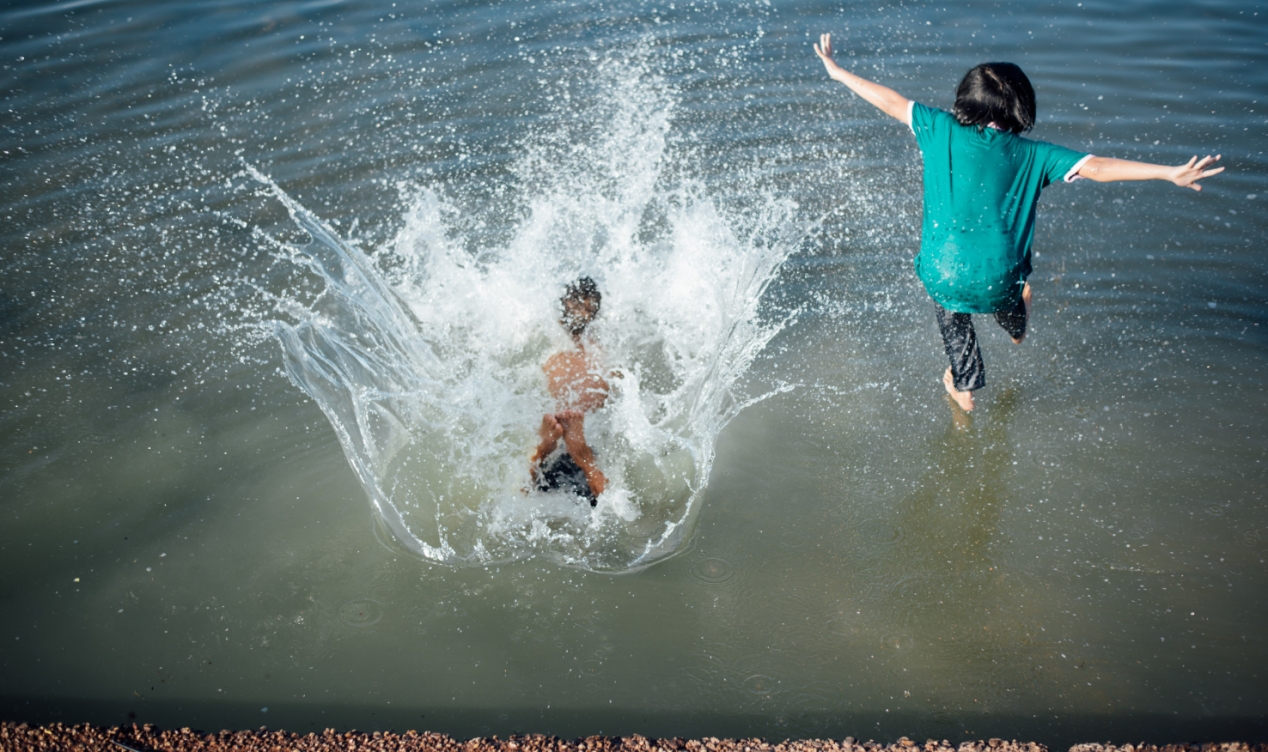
(184, 541)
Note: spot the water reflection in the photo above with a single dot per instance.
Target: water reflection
(953, 515)
(952, 595)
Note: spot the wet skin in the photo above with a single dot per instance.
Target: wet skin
(574, 381)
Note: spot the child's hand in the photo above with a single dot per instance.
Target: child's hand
(824, 51)
(1188, 175)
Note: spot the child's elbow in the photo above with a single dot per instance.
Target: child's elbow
(1095, 169)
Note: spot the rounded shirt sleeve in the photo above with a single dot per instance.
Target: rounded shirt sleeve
(1058, 163)
(924, 121)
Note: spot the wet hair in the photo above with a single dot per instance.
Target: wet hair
(996, 93)
(581, 290)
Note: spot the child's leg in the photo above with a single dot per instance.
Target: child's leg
(1014, 319)
(966, 373)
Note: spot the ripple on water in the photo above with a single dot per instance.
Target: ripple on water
(760, 684)
(792, 601)
(712, 571)
(1215, 510)
(754, 672)
(899, 642)
(360, 613)
(908, 589)
(794, 539)
(1140, 528)
(811, 709)
(592, 668)
(703, 677)
(846, 622)
(880, 532)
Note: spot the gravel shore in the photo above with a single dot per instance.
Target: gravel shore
(84, 738)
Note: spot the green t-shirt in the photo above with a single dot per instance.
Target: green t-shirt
(981, 191)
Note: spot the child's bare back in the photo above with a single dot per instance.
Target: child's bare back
(574, 381)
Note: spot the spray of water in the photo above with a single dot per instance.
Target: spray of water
(426, 354)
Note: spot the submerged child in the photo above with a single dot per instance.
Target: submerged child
(981, 188)
(574, 382)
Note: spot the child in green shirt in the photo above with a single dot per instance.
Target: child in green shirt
(981, 188)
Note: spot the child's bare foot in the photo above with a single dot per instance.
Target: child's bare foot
(963, 399)
(572, 429)
(551, 431)
(1026, 295)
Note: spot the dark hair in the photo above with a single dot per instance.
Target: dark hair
(581, 290)
(996, 93)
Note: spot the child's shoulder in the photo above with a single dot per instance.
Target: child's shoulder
(922, 115)
(929, 109)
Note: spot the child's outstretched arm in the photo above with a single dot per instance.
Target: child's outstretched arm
(885, 99)
(1106, 170)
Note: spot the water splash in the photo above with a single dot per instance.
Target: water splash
(426, 354)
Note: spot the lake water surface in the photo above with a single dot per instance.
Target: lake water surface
(277, 279)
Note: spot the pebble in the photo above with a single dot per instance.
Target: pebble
(21, 737)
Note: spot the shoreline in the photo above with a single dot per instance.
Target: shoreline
(22, 737)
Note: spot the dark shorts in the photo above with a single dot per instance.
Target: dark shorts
(960, 341)
(562, 473)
